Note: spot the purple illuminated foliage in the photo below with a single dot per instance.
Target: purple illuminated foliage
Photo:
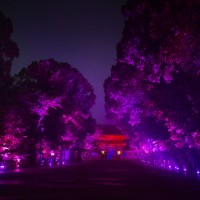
(55, 93)
(42, 105)
(160, 35)
(13, 133)
(12, 126)
(91, 141)
(152, 90)
(180, 105)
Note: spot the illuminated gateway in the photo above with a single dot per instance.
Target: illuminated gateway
(112, 143)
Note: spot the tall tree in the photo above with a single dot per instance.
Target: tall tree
(158, 51)
(8, 50)
(12, 125)
(53, 90)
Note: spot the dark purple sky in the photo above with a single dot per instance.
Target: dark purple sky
(83, 33)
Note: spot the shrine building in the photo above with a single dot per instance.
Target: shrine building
(112, 143)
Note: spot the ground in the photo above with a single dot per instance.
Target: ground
(108, 179)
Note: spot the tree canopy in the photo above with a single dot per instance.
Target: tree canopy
(44, 106)
(152, 90)
(54, 92)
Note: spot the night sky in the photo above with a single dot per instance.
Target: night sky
(83, 33)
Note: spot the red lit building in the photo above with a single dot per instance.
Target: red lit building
(111, 142)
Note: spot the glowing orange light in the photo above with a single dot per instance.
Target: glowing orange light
(103, 152)
(118, 152)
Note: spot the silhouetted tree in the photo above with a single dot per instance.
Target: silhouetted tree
(12, 126)
(8, 50)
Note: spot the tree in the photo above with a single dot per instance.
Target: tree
(158, 36)
(12, 126)
(151, 83)
(53, 90)
(179, 102)
(44, 91)
(8, 50)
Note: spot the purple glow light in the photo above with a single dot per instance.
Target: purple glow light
(2, 167)
(52, 154)
(177, 168)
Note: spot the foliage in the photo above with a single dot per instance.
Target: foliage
(13, 132)
(8, 50)
(56, 93)
(152, 90)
